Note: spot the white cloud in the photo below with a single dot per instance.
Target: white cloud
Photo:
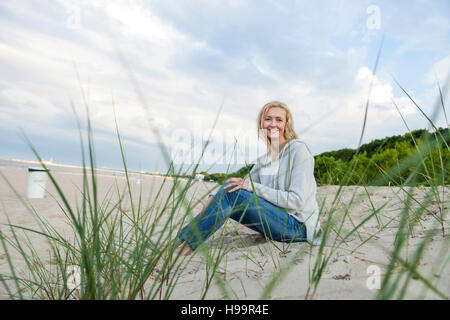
(439, 72)
(381, 95)
(136, 20)
(187, 61)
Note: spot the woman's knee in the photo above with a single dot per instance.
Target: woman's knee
(236, 198)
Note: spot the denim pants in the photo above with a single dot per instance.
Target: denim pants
(240, 205)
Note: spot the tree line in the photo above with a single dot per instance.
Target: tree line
(421, 154)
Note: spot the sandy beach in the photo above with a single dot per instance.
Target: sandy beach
(345, 277)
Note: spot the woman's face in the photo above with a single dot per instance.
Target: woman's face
(275, 123)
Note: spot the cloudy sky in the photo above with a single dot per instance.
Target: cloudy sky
(166, 69)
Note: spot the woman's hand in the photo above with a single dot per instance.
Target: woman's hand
(208, 201)
(237, 183)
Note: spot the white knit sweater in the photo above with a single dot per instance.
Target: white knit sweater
(288, 182)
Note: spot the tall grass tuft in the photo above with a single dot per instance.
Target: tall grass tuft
(122, 248)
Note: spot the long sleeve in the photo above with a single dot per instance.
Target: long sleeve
(299, 188)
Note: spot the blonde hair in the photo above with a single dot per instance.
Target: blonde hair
(289, 132)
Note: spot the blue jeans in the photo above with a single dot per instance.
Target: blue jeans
(240, 205)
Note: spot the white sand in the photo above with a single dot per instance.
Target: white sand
(345, 276)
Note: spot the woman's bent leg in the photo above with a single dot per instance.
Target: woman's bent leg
(262, 216)
(266, 218)
(209, 221)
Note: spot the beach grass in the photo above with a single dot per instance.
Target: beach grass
(122, 248)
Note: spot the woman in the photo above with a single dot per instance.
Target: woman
(278, 196)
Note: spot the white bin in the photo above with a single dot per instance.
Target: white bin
(37, 178)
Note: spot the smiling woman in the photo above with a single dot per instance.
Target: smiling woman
(275, 120)
(277, 198)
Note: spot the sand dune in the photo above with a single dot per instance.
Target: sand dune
(345, 276)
